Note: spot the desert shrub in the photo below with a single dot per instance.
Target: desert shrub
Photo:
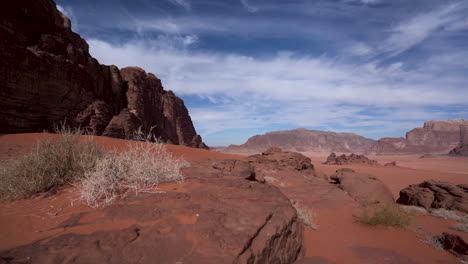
(306, 215)
(139, 169)
(52, 162)
(386, 215)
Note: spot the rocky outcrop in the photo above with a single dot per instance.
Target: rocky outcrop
(362, 187)
(304, 140)
(436, 137)
(391, 164)
(436, 194)
(344, 159)
(454, 244)
(210, 218)
(459, 151)
(276, 159)
(47, 76)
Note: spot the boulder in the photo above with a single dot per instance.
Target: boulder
(436, 194)
(47, 76)
(276, 159)
(362, 187)
(391, 164)
(238, 168)
(349, 159)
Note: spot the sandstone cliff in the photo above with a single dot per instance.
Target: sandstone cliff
(304, 140)
(47, 75)
(437, 137)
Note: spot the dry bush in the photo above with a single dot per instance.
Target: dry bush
(53, 162)
(386, 215)
(305, 215)
(139, 169)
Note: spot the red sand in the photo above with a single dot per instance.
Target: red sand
(339, 238)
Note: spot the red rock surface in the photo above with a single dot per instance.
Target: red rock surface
(303, 140)
(47, 76)
(348, 159)
(362, 187)
(436, 137)
(212, 217)
(436, 194)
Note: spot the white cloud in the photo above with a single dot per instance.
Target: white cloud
(186, 4)
(410, 33)
(249, 7)
(360, 49)
(248, 92)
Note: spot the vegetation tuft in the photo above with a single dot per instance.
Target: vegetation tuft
(100, 176)
(52, 163)
(386, 215)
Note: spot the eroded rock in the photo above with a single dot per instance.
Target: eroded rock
(47, 76)
(436, 194)
(362, 187)
(454, 244)
(349, 159)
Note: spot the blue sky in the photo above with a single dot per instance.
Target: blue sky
(245, 67)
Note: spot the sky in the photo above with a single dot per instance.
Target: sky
(377, 68)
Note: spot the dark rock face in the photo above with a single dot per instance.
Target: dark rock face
(350, 159)
(303, 140)
(210, 218)
(47, 76)
(454, 244)
(459, 151)
(362, 187)
(435, 137)
(391, 164)
(436, 194)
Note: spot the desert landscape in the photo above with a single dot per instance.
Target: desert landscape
(102, 164)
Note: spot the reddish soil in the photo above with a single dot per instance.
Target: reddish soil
(339, 237)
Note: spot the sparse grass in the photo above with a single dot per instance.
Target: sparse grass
(139, 169)
(306, 215)
(414, 209)
(53, 162)
(461, 227)
(386, 215)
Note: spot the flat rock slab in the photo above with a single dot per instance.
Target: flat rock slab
(208, 219)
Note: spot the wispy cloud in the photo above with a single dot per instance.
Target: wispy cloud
(247, 92)
(186, 4)
(412, 32)
(248, 6)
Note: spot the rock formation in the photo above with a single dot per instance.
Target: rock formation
(459, 151)
(436, 194)
(304, 140)
(276, 159)
(436, 137)
(362, 187)
(47, 76)
(344, 159)
(391, 164)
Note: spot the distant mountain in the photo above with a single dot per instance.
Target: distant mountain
(435, 137)
(304, 140)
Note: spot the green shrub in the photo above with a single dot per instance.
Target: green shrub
(53, 162)
(386, 215)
